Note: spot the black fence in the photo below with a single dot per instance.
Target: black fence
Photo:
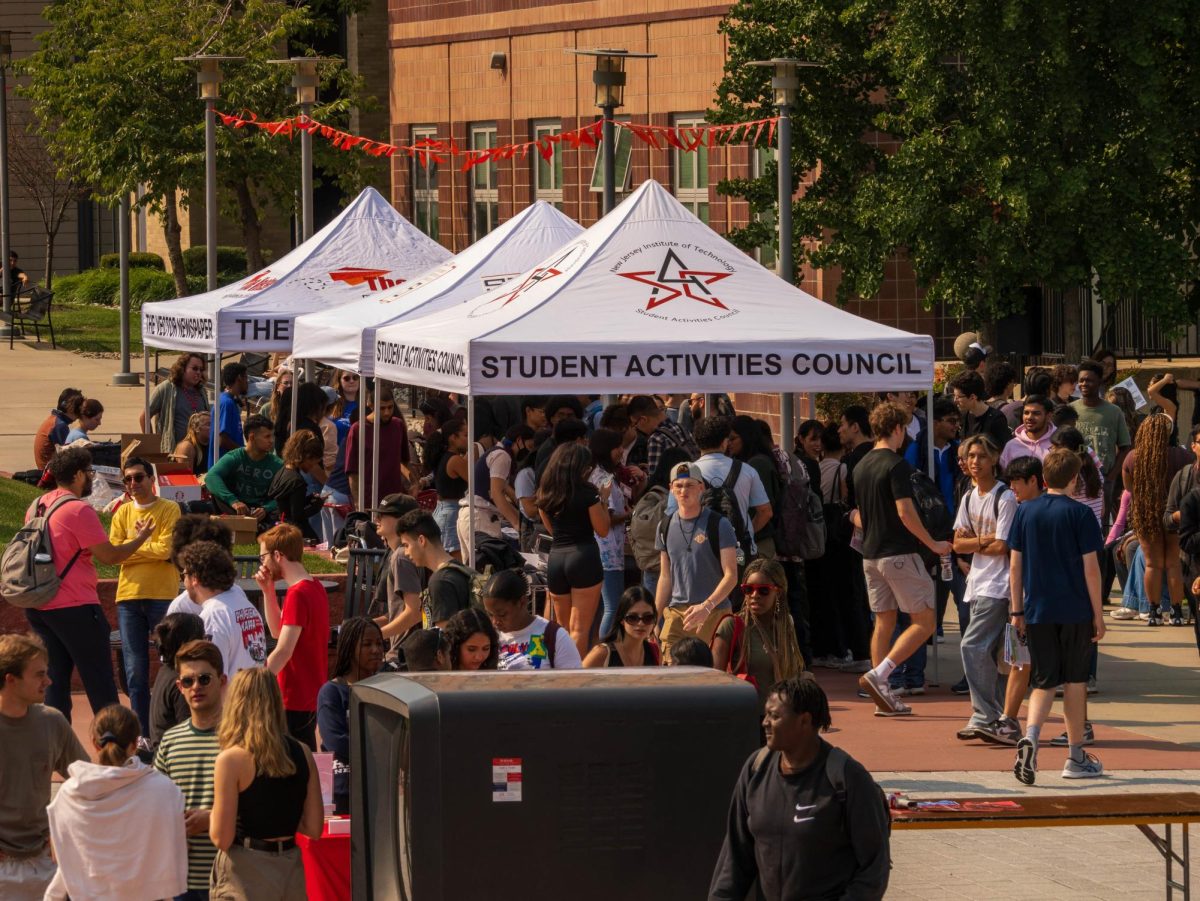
(1122, 326)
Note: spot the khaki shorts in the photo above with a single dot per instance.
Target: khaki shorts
(240, 874)
(673, 630)
(898, 582)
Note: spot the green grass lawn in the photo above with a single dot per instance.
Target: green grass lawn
(15, 498)
(93, 329)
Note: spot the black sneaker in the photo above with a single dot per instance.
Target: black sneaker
(1025, 767)
(1177, 615)
(968, 734)
(1089, 737)
(960, 687)
(1155, 618)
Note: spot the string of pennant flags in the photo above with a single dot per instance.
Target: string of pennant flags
(688, 138)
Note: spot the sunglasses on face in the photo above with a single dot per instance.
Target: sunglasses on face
(751, 591)
(138, 477)
(641, 619)
(205, 679)
(349, 378)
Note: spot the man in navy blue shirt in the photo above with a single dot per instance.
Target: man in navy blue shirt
(1054, 573)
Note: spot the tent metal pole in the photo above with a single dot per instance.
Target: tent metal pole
(375, 451)
(362, 444)
(146, 382)
(932, 467)
(470, 548)
(295, 394)
(214, 415)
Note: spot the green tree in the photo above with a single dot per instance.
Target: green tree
(996, 144)
(124, 112)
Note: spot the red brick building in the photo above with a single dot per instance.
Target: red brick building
(497, 71)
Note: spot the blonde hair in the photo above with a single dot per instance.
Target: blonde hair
(253, 720)
(787, 659)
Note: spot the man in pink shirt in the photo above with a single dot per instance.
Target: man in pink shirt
(72, 625)
(301, 657)
(1032, 437)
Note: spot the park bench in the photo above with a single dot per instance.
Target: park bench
(1145, 811)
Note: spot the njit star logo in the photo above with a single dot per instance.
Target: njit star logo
(693, 283)
(374, 279)
(537, 276)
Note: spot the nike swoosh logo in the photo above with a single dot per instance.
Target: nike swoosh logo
(802, 819)
(806, 807)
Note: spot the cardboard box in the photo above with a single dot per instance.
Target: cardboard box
(245, 528)
(148, 447)
(177, 482)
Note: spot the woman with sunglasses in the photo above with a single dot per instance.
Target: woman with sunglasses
(346, 384)
(359, 656)
(759, 643)
(628, 642)
(526, 641)
(474, 643)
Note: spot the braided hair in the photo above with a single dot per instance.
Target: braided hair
(350, 635)
(789, 661)
(1148, 479)
(803, 694)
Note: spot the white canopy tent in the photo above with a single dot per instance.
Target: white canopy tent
(345, 336)
(650, 299)
(368, 248)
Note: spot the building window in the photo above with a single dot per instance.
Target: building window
(548, 173)
(691, 172)
(425, 185)
(623, 153)
(485, 200)
(766, 253)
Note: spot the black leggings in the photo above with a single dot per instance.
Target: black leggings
(76, 638)
(575, 566)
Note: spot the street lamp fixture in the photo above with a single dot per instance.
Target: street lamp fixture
(609, 77)
(785, 86)
(306, 79)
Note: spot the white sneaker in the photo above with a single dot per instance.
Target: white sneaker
(1089, 768)
(879, 691)
(1123, 613)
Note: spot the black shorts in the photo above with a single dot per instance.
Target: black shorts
(1059, 653)
(576, 566)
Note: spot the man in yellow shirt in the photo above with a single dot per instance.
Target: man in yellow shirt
(148, 579)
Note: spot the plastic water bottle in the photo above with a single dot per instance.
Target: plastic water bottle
(945, 567)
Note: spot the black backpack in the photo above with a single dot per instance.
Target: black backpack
(719, 497)
(935, 515)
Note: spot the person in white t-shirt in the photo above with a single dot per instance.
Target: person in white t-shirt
(230, 621)
(985, 515)
(526, 641)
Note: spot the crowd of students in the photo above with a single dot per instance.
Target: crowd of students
(665, 544)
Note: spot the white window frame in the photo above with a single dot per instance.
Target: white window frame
(691, 196)
(553, 192)
(767, 255)
(487, 193)
(425, 198)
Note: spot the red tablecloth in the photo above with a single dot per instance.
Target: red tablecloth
(326, 866)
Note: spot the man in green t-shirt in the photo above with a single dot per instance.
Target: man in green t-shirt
(1101, 423)
(239, 481)
(187, 755)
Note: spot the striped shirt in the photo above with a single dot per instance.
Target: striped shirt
(187, 756)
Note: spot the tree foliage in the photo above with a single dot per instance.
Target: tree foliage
(998, 143)
(120, 111)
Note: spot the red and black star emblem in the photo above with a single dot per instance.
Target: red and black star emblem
(693, 283)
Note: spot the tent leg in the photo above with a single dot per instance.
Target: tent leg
(932, 469)
(295, 395)
(470, 548)
(375, 452)
(214, 434)
(146, 383)
(362, 444)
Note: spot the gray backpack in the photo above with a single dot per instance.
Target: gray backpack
(27, 574)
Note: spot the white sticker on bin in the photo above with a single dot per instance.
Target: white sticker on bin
(506, 779)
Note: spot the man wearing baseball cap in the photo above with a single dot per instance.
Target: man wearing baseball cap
(698, 552)
(399, 591)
